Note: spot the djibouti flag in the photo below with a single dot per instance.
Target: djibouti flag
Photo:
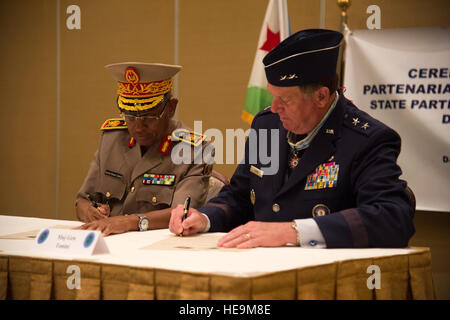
(275, 29)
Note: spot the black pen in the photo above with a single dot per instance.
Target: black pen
(94, 204)
(187, 202)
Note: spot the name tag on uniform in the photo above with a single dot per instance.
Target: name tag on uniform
(113, 174)
(325, 176)
(256, 171)
(159, 179)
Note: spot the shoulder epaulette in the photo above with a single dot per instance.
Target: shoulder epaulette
(187, 136)
(359, 123)
(114, 124)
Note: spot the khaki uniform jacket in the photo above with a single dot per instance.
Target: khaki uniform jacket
(116, 176)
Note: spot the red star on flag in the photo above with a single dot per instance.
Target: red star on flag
(272, 39)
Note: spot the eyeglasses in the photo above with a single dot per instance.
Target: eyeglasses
(146, 119)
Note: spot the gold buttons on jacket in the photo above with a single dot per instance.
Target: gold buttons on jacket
(252, 196)
(154, 200)
(132, 189)
(276, 207)
(108, 194)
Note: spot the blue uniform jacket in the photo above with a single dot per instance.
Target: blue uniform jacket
(367, 205)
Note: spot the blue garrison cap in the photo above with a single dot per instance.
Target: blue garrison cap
(305, 57)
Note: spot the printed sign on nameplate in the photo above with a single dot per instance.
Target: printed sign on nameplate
(69, 241)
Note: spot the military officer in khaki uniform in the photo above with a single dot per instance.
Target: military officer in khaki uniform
(132, 182)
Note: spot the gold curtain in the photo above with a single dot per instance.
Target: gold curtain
(402, 277)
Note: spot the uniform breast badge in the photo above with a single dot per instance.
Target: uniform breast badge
(159, 179)
(320, 210)
(325, 176)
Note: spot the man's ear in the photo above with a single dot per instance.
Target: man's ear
(172, 107)
(321, 97)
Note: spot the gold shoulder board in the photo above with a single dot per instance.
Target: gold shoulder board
(113, 124)
(187, 136)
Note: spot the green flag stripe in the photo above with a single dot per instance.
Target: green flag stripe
(257, 99)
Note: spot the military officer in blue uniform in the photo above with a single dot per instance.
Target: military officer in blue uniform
(338, 183)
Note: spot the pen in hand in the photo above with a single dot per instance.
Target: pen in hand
(94, 204)
(187, 202)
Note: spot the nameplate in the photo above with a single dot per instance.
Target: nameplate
(256, 171)
(69, 241)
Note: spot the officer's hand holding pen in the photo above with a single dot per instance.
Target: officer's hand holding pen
(187, 203)
(95, 211)
(193, 223)
(93, 203)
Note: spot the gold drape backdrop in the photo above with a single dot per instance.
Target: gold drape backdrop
(404, 277)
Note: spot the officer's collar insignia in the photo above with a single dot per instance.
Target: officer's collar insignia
(190, 137)
(113, 124)
(159, 179)
(132, 142)
(324, 176)
(166, 144)
(355, 121)
(365, 126)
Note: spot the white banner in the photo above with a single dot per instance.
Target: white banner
(402, 78)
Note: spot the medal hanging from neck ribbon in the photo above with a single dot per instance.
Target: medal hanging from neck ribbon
(295, 159)
(296, 150)
(300, 145)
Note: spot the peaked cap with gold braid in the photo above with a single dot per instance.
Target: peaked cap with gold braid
(141, 86)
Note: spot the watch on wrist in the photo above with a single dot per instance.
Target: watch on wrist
(144, 222)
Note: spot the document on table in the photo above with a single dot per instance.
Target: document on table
(32, 234)
(202, 241)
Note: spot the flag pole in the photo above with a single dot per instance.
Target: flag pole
(343, 5)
